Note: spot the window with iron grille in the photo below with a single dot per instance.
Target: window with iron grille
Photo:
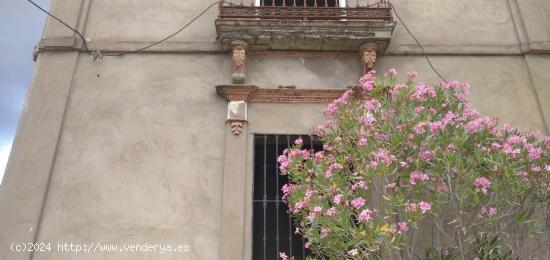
(309, 3)
(273, 228)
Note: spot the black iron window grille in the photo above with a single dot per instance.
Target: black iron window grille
(273, 229)
(308, 3)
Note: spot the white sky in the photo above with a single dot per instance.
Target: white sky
(4, 154)
(23, 23)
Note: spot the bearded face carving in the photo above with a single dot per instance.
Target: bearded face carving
(369, 59)
(239, 61)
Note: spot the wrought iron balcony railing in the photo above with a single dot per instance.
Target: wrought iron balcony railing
(306, 10)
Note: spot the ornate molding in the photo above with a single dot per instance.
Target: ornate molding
(236, 92)
(239, 49)
(368, 56)
(254, 94)
(237, 127)
(238, 96)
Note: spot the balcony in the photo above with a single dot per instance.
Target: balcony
(305, 25)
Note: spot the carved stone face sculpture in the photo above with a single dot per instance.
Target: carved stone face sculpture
(239, 59)
(369, 59)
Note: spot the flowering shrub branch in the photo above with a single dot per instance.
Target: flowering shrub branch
(400, 159)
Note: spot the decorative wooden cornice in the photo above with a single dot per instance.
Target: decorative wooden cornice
(237, 92)
(254, 94)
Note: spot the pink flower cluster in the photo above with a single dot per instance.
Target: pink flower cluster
(358, 203)
(418, 176)
(423, 206)
(426, 156)
(480, 124)
(400, 227)
(423, 92)
(335, 105)
(365, 215)
(372, 104)
(332, 167)
(367, 81)
(424, 149)
(488, 211)
(383, 156)
(482, 184)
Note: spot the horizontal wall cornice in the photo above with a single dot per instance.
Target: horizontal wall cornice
(65, 44)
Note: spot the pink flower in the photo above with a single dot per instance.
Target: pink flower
(372, 104)
(328, 174)
(317, 209)
(360, 185)
(367, 82)
(331, 212)
(358, 203)
(392, 72)
(424, 206)
(283, 167)
(299, 141)
(412, 74)
(449, 118)
(534, 153)
(336, 166)
(489, 211)
(473, 126)
(311, 216)
(338, 198)
(325, 232)
(403, 226)
(362, 142)
(365, 215)
(298, 206)
(417, 176)
(410, 207)
(319, 155)
(422, 92)
(482, 184)
(426, 156)
(368, 119)
(435, 127)
(384, 156)
(335, 105)
(419, 128)
(283, 256)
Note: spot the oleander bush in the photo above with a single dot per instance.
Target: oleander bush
(412, 171)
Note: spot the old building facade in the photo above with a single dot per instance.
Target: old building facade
(158, 146)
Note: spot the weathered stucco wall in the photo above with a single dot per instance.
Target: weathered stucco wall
(131, 149)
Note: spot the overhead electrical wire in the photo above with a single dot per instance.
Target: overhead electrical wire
(98, 54)
(167, 37)
(66, 25)
(417, 43)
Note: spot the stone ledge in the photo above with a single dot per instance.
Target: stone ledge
(254, 94)
(342, 35)
(63, 44)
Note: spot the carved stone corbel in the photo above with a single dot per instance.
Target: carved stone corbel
(237, 98)
(239, 49)
(368, 56)
(236, 128)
